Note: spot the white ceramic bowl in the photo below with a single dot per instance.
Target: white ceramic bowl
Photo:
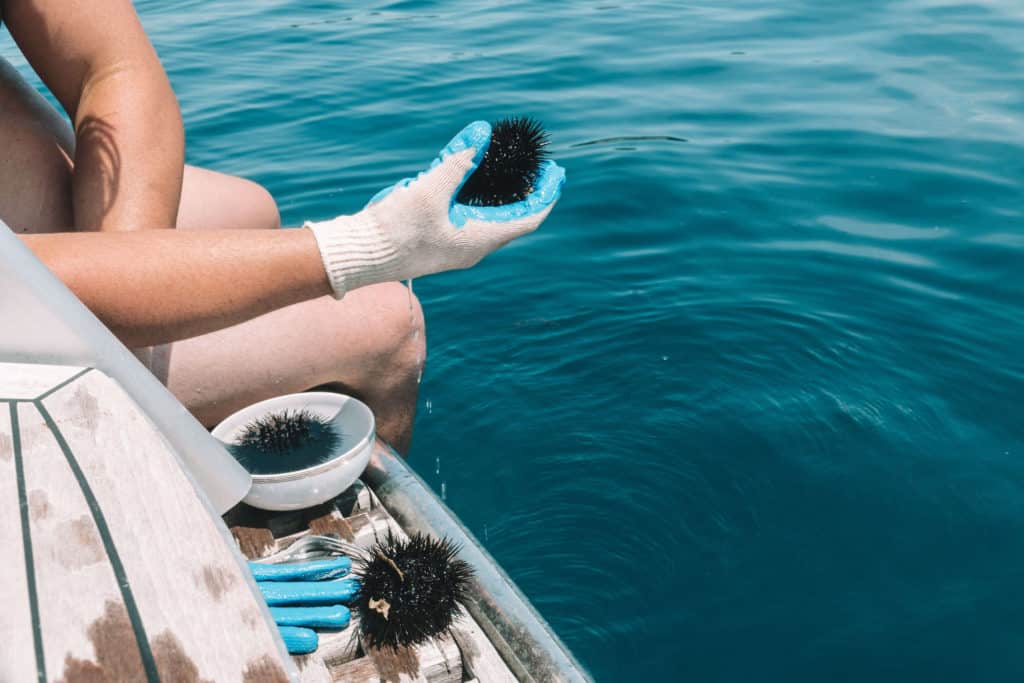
(313, 485)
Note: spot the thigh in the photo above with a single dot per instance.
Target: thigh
(349, 342)
(35, 165)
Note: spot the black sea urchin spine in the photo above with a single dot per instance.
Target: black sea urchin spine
(410, 590)
(510, 167)
(286, 440)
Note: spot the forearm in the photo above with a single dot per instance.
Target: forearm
(129, 151)
(156, 286)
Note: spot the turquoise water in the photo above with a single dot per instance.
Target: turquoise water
(749, 406)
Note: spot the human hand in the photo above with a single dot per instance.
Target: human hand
(417, 228)
(304, 595)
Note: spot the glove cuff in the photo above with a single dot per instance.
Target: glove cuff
(354, 252)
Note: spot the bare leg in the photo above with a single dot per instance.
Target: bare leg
(364, 345)
(214, 200)
(369, 345)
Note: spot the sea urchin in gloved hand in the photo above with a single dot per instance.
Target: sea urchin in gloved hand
(285, 441)
(410, 590)
(510, 167)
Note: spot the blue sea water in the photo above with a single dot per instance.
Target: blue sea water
(750, 406)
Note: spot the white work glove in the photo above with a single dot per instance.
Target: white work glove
(416, 227)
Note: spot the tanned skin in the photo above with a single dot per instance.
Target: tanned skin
(95, 200)
(128, 152)
(95, 58)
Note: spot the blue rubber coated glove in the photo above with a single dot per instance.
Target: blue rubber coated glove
(308, 592)
(302, 595)
(416, 227)
(314, 570)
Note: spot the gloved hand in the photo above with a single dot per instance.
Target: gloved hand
(416, 228)
(302, 595)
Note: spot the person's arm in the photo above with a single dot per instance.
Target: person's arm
(96, 59)
(158, 286)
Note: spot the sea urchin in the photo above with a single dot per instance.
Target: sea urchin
(510, 167)
(410, 590)
(284, 441)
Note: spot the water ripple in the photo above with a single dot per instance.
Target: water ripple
(747, 407)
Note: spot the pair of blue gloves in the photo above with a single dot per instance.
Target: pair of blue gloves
(306, 595)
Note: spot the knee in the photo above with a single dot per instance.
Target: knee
(264, 211)
(400, 350)
(215, 200)
(252, 206)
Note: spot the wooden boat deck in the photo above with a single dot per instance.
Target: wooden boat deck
(115, 568)
(118, 569)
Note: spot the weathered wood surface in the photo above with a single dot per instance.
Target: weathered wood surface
(480, 659)
(133, 578)
(16, 384)
(436, 662)
(359, 517)
(18, 660)
(74, 578)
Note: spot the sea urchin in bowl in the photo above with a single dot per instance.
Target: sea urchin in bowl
(301, 449)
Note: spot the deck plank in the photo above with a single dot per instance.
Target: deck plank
(18, 662)
(312, 669)
(361, 670)
(86, 626)
(435, 661)
(479, 656)
(201, 615)
(16, 384)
